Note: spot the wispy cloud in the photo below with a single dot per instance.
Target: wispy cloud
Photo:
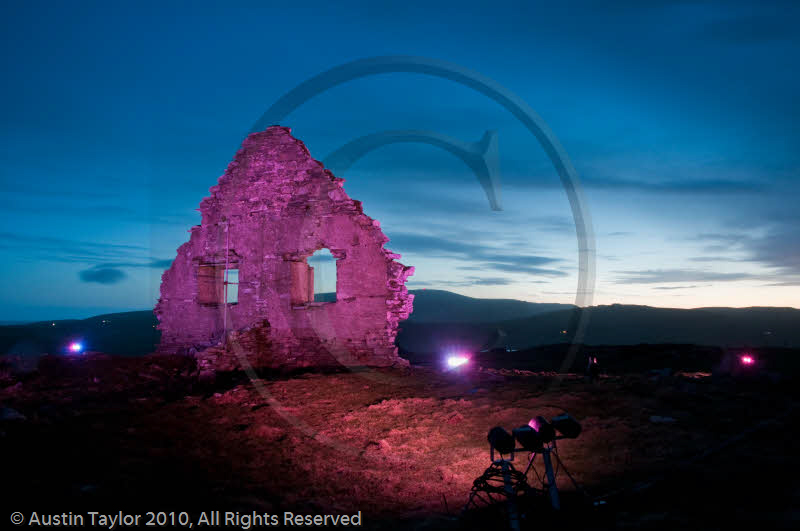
(668, 186)
(482, 257)
(466, 282)
(678, 287)
(665, 276)
(785, 283)
(713, 259)
(102, 275)
(112, 272)
(82, 208)
(779, 248)
(154, 264)
(104, 257)
(66, 250)
(776, 247)
(160, 264)
(522, 267)
(689, 186)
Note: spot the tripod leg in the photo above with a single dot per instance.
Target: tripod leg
(551, 479)
(513, 517)
(575, 483)
(530, 463)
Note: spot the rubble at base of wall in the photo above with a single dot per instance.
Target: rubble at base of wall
(260, 347)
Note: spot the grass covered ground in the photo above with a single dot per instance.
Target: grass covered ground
(403, 447)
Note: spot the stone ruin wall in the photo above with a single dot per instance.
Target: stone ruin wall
(274, 207)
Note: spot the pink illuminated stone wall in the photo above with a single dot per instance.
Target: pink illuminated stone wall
(274, 207)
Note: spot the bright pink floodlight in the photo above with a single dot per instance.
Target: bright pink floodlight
(454, 362)
(747, 360)
(75, 347)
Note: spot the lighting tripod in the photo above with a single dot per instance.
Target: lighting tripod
(548, 482)
(501, 481)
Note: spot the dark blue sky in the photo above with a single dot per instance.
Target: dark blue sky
(680, 117)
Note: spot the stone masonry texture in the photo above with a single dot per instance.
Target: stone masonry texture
(272, 209)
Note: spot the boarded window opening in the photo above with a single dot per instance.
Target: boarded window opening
(212, 282)
(302, 276)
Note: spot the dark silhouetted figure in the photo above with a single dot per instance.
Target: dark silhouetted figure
(592, 369)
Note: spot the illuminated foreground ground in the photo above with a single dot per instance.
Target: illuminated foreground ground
(402, 447)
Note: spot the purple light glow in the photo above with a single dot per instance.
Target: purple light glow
(456, 361)
(75, 347)
(747, 360)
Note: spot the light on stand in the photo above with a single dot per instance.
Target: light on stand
(501, 440)
(543, 428)
(501, 478)
(75, 347)
(566, 426)
(453, 362)
(528, 438)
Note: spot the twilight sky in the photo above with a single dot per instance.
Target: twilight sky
(680, 117)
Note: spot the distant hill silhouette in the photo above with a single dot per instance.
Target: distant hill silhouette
(617, 325)
(439, 306)
(442, 319)
(127, 334)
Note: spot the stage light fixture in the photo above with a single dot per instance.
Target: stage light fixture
(566, 426)
(528, 438)
(543, 428)
(75, 347)
(456, 361)
(501, 440)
